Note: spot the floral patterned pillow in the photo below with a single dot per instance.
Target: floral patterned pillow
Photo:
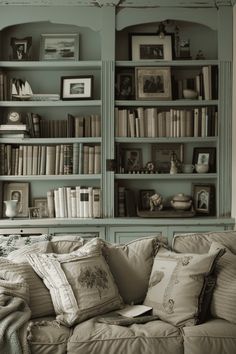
(80, 283)
(177, 284)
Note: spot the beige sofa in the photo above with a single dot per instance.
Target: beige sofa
(131, 266)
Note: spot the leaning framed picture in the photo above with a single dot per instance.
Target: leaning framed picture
(76, 87)
(125, 84)
(205, 156)
(204, 198)
(162, 154)
(153, 83)
(150, 46)
(42, 205)
(59, 46)
(20, 192)
(21, 48)
(132, 160)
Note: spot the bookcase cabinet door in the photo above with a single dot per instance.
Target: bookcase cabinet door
(87, 233)
(125, 234)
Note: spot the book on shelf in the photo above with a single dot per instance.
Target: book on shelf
(73, 203)
(29, 160)
(50, 204)
(13, 127)
(50, 159)
(79, 127)
(130, 205)
(91, 160)
(68, 159)
(96, 204)
(85, 159)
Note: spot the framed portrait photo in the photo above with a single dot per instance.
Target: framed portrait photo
(204, 198)
(34, 213)
(42, 205)
(20, 192)
(205, 156)
(21, 48)
(144, 197)
(59, 46)
(153, 83)
(150, 46)
(76, 87)
(162, 153)
(132, 160)
(125, 84)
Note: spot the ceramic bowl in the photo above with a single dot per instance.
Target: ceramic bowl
(189, 94)
(202, 168)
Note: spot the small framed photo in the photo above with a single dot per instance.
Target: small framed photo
(21, 48)
(132, 160)
(153, 83)
(125, 85)
(59, 46)
(42, 204)
(34, 213)
(204, 198)
(20, 192)
(205, 156)
(76, 87)
(144, 196)
(150, 46)
(162, 154)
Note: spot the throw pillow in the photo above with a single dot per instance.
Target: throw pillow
(131, 266)
(20, 255)
(80, 283)
(176, 285)
(223, 302)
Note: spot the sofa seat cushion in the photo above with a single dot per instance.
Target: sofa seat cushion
(215, 336)
(46, 336)
(92, 337)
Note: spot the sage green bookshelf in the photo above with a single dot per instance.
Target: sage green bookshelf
(104, 49)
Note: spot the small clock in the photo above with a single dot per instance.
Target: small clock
(14, 118)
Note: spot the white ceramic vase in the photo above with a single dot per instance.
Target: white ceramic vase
(11, 208)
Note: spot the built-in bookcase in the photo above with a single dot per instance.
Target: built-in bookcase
(128, 122)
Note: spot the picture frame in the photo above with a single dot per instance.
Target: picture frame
(161, 155)
(77, 87)
(42, 204)
(153, 83)
(34, 213)
(205, 155)
(59, 46)
(125, 84)
(151, 46)
(144, 198)
(21, 48)
(132, 160)
(20, 192)
(204, 198)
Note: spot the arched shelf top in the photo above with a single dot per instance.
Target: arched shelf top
(129, 17)
(78, 16)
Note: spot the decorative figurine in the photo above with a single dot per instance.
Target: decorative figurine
(173, 164)
(156, 202)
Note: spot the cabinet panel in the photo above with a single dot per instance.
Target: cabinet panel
(129, 233)
(86, 233)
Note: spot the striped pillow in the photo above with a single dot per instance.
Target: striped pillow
(223, 302)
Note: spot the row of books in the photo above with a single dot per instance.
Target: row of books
(74, 202)
(151, 122)
(61, 159)
(205, 83)
(125, 203)
(79, 126)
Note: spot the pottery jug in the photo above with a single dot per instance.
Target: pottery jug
(11, 207)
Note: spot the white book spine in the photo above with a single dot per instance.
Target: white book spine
(50, 204)
(57, 162)
(43, 160)
(50, 159)
(77, 189)
(29, 159)
(90, 202)
(57, 203)
(17, 161)
(68, 198)
(24, 160)
(97, 159)
(61, 202)
(96, 203)
(91, 160)
(81, 202)
(73, 203)
(20, 166)
(35, 160)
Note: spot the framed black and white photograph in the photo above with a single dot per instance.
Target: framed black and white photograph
(153, 83)
(20, 192)
(144, 197)
(204, 198)
(162, 154)
(59, 46)
(77, 87)
(151, 46)
(205, 156)
(34, 213)
(125, 85)
(42, 205)
(21, 48)
(132, 160)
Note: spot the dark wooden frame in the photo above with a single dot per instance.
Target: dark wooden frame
(68, 81)
(207, 191)
(121, 75)
(16, 43)
(211, 151)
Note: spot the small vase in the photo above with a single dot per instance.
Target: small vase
(11, 208)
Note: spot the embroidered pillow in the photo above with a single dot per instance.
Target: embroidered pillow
(80, 283)
(223, 302)
(177, 283)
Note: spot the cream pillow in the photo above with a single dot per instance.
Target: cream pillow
(80, 283)
(177, 283)
(223, 302)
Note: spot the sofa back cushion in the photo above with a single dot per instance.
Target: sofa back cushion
(201, 242)
(131, 265)
(223, 302)
(177, 284)
(80, 283)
